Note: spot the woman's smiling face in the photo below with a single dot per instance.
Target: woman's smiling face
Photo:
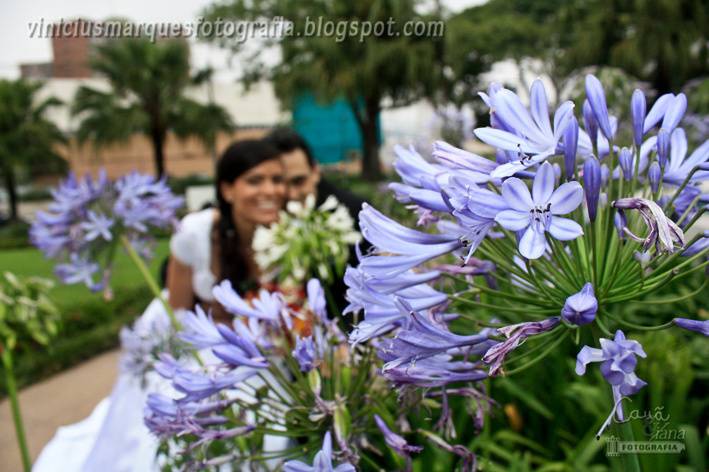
(257, 196)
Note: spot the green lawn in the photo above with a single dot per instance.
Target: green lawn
(90, 324)
(30, 261)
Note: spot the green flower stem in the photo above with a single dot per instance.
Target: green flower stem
(537, 347)
(689, 209)
(675, 299)
(666, 259)
(696, 217)
(502, 294)
(150, 280)
(15, 407)
(637, 326)
(504, 308)
(632, 464)
(552, 345)
(602, 325)
(689, 261)
(552, 293)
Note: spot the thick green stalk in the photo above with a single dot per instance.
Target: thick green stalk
(150, 280)
(15, 407)
(632, 464)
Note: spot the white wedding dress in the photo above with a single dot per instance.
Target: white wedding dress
(113, 438)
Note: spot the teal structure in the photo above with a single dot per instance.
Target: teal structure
(330, 129)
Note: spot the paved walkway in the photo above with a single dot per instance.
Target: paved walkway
(60, 400)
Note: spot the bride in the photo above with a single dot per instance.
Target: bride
(211, 245)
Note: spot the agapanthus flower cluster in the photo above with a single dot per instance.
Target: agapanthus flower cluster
(88, 218)
(541, 244)
(306, 242)
(283, 378)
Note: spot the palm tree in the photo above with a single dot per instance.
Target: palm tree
(27, 137)
(148, 81)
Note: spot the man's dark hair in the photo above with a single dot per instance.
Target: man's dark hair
(287, 140)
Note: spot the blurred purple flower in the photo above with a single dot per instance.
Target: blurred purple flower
(597, 100)
(239, 349)
(394, 441)
(79, 270)
(199, 330)
(410, 246)
(267, 307)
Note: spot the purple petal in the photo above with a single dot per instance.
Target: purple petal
(597, 100)
(513, 220)
(533, 244)
(564, 229)
(539, 107)
(586, 356)
(543, 186)
(657, 111)
(675, 112)
(516, 194)
(566, 198)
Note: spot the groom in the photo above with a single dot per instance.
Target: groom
(303, 175)
(303, 178)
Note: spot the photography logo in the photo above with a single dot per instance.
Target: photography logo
(661, 439)
(615, 447)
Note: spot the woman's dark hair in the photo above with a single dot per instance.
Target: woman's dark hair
(238, 159)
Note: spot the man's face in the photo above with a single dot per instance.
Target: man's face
(301, 179)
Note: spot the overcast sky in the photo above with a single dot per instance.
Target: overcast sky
(18, 47)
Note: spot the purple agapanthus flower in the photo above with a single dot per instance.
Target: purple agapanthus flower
(87, 216)
(580, 308)
(394, 441)
(97, 225)
(410, 246)
(239, 349)
(515, 334)
(267, 307)
(316, 299)
(618, 360)
(322, 461)
(424, 338)
(433, 371)
(199, 330)
(538, 213)
(597, 100)
(693, 325)
(79, 270)
(528, 132)
(460, 162)
(144, 201)
(197, 386)
(311, 350)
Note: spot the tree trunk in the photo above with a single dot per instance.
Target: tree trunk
(158, 138)
(367, 120)
(11, 188)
